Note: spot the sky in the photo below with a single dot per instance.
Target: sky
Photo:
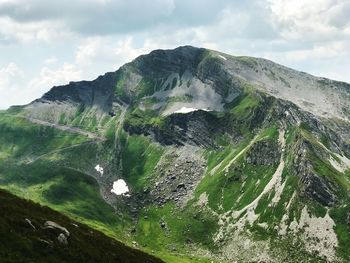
(45, 43)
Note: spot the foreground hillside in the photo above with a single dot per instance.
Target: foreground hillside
(195, 155)
(32, 233)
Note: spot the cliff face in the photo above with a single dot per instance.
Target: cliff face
(216, 151)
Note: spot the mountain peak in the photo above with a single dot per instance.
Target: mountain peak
(204, 79)
(215, 151)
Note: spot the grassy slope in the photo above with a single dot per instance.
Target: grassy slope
(186, 226)
(72, 192)
(44, 181)
(20, 242)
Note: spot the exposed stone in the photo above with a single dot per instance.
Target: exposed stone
(313, 185)
(53, 225)
(62, 238)
(30, 223)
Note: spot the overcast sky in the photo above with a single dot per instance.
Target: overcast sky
(51, 42)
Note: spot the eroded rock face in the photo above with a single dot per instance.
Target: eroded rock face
(197, 128)
(264, 152)
(87, 93)
(313, 185)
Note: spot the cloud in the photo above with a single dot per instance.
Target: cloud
(50, 60)
(8, 74)
(12, 31)
(55, 42)
(49, 77)
(11, 77)
(311, 20)
(96, 17)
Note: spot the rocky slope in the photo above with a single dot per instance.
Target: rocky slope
(216, 157)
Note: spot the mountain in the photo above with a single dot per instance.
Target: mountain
(28, 235)
(193, 154)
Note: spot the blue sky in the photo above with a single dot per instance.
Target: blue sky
(47, 43)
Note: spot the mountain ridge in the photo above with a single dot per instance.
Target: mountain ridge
(225, 158)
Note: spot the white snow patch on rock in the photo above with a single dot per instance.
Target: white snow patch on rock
(99, 169)
(187, 110)
(222, 57)
(202, 95)
(120, 188)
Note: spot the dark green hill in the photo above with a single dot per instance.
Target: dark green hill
(33, 233)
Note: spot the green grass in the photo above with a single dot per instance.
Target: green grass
(248, 61)
(146, 87)
(236, 187)
(19, 242)
(20, 138)
(139, 157)
(63, 189)
(245, 106)
(342, 229)
(182, 227)
(141, 119)
(120, 89)
(46, 180)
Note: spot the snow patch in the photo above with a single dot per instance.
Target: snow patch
(199, 95)
(120, 188)
(222, 57)
(187, 110)
(99, 169)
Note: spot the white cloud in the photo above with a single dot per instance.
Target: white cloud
(37, 31)
(50, 60)
(312, 20)
(52, 77)
(11, 77)
(55, 42)
(88, 51)
(9, 73)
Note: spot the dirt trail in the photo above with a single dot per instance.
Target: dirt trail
(67, 129)
(60, 150)
(96, 138)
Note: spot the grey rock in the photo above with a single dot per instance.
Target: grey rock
(53, 225)
(62, 239)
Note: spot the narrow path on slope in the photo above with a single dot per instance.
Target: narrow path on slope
(67, 128)
(97, 138)
(60, 150)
